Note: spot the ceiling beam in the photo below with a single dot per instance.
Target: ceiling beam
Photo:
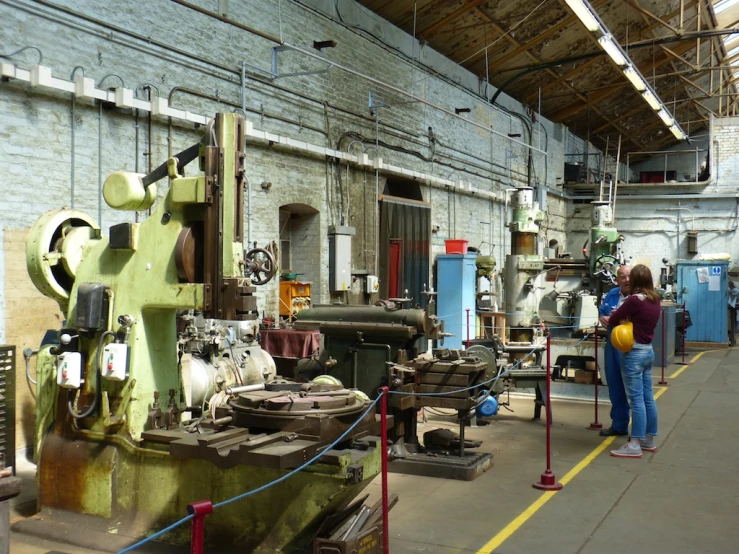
(569, 20)
(588, 63)
(637, 7)
(625, 115)
(536, 59)
(577, 107)
(429, 31)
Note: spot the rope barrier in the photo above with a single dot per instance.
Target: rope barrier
(263, 487)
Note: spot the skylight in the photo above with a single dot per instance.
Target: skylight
(722, 5)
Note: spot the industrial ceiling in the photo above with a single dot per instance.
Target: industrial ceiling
(539, 49)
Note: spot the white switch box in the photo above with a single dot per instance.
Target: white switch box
(373, 284)
(115, 362)
(69, 370)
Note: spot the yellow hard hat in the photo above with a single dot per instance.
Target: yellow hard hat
(622, 336)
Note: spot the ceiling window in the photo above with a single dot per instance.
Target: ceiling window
(722, 5)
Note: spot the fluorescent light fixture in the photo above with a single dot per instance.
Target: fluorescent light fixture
(666, 117)
(613, 50)
(678, 132)
(582, 11)
(637, 80)
(652, 100)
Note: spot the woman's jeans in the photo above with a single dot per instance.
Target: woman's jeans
(637, 373)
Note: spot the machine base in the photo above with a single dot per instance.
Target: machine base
(64, 526)
(446, 466)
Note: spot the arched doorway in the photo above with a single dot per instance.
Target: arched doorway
(300, 244)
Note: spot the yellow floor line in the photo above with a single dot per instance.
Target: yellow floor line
(691, 362)
(678, 372)
(514, 525)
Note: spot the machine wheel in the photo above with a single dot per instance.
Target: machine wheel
(486, 355)
(606, 267)
(260, 266)
(54, 250)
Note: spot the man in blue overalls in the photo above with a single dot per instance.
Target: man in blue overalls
(616, 391)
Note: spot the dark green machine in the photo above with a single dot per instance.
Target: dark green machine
(360, 341)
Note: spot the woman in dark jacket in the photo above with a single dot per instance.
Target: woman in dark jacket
(642, 308)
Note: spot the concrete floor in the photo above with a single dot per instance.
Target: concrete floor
(680, 499)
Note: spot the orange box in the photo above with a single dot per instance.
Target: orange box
(294, 296)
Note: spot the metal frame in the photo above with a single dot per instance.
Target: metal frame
(666, 154)
(7, 404)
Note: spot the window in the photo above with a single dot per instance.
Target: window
(722, 5)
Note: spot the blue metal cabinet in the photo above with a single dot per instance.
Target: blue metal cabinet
(455, 285)
(708, 308)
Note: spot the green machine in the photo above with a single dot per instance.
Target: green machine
(605, 242)
(157, 393)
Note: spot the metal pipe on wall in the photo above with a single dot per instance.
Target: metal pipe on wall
(409, 95)
(72, 126)
(100, 147)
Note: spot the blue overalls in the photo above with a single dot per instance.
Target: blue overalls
(616, 391)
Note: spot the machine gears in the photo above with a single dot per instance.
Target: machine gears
(259, 266)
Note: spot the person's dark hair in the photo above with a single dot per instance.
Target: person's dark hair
(640, 280)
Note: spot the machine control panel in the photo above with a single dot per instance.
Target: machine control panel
(115, 362)
(69, 370)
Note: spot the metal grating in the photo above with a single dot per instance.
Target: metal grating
(7, 405)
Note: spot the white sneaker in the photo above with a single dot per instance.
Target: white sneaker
(628, 450)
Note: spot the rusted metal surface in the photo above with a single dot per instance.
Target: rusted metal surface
(76, 476)
(523, 244)
(151, 489)
(189, 254)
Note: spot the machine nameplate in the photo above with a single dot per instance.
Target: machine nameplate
(531, 265)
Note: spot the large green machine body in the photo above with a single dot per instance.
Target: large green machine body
(122, 463)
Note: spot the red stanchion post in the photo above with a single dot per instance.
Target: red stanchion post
(468, 328)
(663, 348)
(383, 430)
(548, 482)
(595, 425)
(198, 510)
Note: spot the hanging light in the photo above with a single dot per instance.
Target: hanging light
(613, 50)
(585, 15)
(636, 79)
(652, 100)
(666, 117)
(678, 132)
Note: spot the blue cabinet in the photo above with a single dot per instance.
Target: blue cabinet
(455, 286)
(703, 287)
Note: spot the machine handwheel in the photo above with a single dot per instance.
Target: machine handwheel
(606, 267)
(260, 266)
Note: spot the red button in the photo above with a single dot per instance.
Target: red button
(110, 367)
